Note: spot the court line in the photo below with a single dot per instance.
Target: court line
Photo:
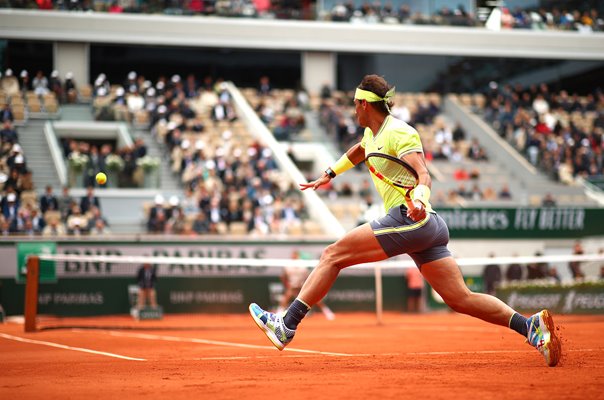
(62, 346)
(220, 343)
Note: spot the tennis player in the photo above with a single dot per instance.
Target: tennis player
(414, 229)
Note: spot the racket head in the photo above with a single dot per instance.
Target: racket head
(392, 170)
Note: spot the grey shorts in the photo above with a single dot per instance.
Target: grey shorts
(424, 241)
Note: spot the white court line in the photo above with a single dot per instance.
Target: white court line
(220, 343)
(62, 346)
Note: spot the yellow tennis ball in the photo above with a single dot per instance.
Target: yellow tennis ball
(101, 178)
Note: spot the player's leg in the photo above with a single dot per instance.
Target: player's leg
(445, 277)
(356, 247)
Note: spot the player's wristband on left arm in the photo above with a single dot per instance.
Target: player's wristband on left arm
(421, 193)
(342, 165)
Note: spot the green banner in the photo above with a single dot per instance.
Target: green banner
(106, 296)
(578, 299)
(47, 268)
(523, 223)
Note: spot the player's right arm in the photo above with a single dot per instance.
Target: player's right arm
(354, 156)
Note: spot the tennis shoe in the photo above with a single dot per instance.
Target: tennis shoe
(542, 336)
(272, 325)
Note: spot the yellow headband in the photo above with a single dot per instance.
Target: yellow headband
(371, 97)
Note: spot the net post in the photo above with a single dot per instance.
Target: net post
(379, 306)
(31, 292)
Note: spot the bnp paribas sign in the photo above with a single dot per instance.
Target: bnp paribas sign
(520, 223)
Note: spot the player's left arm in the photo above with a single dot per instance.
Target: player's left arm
(353, 156)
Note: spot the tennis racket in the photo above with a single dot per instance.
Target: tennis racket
(395, 172)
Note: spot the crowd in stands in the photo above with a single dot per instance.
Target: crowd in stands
(495, 274)
(560, 133)
(231, 181)
(576, 17)
(27, 214)
(281, 110)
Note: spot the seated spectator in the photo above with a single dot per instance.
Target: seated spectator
(8, 134)
(70, 90)
(492, 276)
(65, 203)
(99, 228)
(461, 174)
(77, 223)
(9, 84)
(476, 193)
(459, 134)
(548, 200)
(6, 114)
(158, 216)
(514, 272)
(201, 225)
(40, 84)
(89, 200)
(537, 270)
(504, 192)
(553, 276)
(576, 266)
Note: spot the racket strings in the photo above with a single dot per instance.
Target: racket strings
(395, 172)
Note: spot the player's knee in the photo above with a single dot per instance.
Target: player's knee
(331, 257)
(458, 303)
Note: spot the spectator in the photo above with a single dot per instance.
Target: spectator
(514, 272)
(99, 228)
(40, 84)
(8, 134)
(55, 84)
(48, 201)
(77, 224)
(7, 114)
(158, 216)
(89, 200)
(492, 276)
(54, 227)
(548, 200)
(504, 192)
(576, 266)
(70, 89)
(65, 202)
(537, 270)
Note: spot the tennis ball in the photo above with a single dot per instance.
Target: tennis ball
(101, 178)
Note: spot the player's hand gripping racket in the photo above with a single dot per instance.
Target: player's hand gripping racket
(395, 172)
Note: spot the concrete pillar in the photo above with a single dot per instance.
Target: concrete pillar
(318, 69)
(72, 57)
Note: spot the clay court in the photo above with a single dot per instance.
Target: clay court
(429, 356)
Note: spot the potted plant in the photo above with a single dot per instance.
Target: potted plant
(114, 164)
(150, 167)
(76, 162)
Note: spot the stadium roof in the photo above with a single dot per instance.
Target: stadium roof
(131, 29)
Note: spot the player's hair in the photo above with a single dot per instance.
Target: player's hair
(378, 85)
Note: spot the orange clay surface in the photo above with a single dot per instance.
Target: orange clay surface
(429, 356)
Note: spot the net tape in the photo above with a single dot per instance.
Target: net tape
(272, 262)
